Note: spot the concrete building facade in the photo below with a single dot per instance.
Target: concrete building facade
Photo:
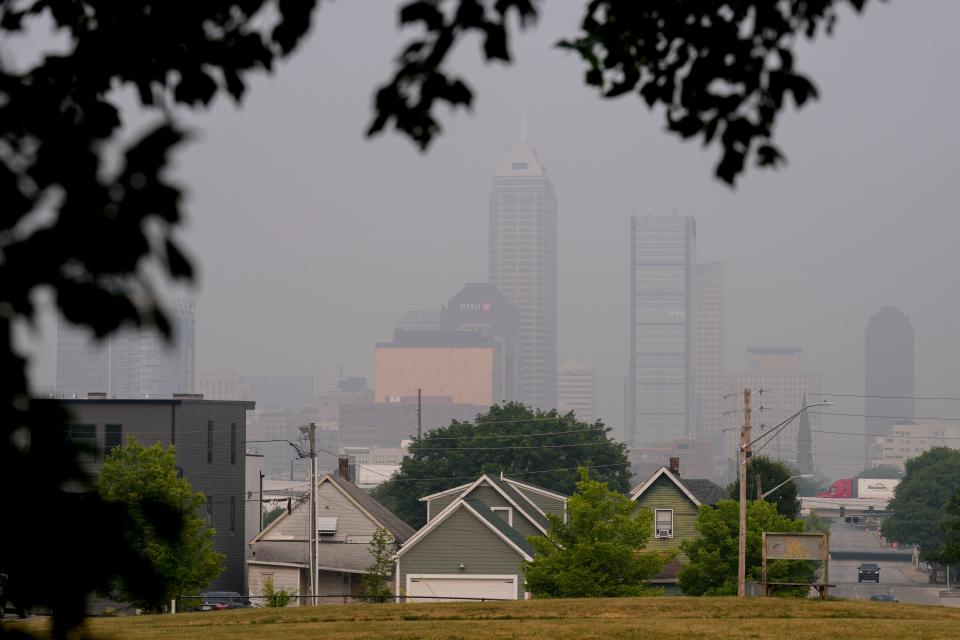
(888, 372)
(909, 439)
(711, 348)
(577, 390)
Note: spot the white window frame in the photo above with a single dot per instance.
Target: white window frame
(656, 529)
(509, 511)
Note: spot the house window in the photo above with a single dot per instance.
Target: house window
(84, 440)
(504, 512)
(210, 511)
(233, 443)
(663, 523)
(233, 514)
(209, 441)
(112, 438)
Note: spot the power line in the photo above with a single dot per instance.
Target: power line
(846, 433)
(855, 395)
(863, 415)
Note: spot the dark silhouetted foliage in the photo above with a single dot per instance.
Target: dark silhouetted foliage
(772, 473)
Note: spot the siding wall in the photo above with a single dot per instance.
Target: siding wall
(492, 498)
(352, 524)
(546, 503)
(665, 495)
(184, 424)
(283, 578)
(461, 538)
(439, 504)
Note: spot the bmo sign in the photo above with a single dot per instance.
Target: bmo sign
(475, 306)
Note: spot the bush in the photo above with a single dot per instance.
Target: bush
(275, 597)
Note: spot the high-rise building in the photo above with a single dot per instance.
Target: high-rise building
(131, 362)
(577, 390)
(780, 387)
(662, 387)
(888, 373)
(711, 350)
(523, 266)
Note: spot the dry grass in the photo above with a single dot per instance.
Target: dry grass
(676, 618)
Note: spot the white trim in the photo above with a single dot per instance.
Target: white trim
(446, 513)
(522, 511)
(440, 494)
(536, 489)
(656, 529)
(277, 564)
(428, 510)
(396, 590)
(646, 484)
(509, 511)
(471, 576)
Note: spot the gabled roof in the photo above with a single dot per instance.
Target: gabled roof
(536, 489)
(483, 514)
(698, 491)
(382, 516)
(519, 501)
(458, 490)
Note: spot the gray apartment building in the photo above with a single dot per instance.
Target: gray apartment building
(523, 267)
(661, 392)
(210, 441)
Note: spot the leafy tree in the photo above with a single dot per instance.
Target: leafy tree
(598, 551)
(276, 598)
(808, 487)
(814, 523)
(712, 570)
(772, 473)
(138, 478)
(374, 584)
(884, 471)
(272, 515)
(919, 503)
(543, 447)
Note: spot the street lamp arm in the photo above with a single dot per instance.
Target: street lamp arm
(764, 495)
(787, 421)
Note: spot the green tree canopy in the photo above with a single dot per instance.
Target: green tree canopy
(919, 502)
(884, 471)
(772, 473)
(542, 447)
(950, 551)
(712, 570)
(140, 479)
(598, 551)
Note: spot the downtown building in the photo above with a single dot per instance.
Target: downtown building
(661, 387)
(523, 267)
(711, 358)
(888, 372)
(130, 362)
(577, 391)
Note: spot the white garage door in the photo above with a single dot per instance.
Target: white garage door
(433, 587)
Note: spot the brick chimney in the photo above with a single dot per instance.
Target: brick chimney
(675, 466)
(343, 467)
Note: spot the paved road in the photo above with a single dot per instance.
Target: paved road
(900, 579)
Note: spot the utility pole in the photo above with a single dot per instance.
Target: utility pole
(261, 500)
(744, 453)
(313, 513)
(419, 414)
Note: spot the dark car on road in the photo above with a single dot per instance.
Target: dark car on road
(219, 600)
(868, 571)
(883, 597)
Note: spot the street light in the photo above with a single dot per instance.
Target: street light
(742, 464)
(764, 495)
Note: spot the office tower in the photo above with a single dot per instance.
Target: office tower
(888, 373)
(711, 349)
(662, 388)
(523, 266)
(780, 388)
(480, 307)
(131, 362)
(577, 390)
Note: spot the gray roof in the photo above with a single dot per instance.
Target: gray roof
(339, 556)
(501, 526)
(400, 530)
(528, 508)
(705, 491)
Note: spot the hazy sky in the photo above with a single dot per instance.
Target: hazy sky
(311, 240)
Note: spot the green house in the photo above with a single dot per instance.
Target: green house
(674, 502)
(475, 541)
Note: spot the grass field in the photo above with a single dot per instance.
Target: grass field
(672, 618)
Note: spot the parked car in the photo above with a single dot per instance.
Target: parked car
(883, 597)
(218, 600)
(868, 571)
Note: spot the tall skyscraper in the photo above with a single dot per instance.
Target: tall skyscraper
(130, 363)
(523, 266)
(711, 350)
(888, 373)
(577, 390)
(662, 388)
